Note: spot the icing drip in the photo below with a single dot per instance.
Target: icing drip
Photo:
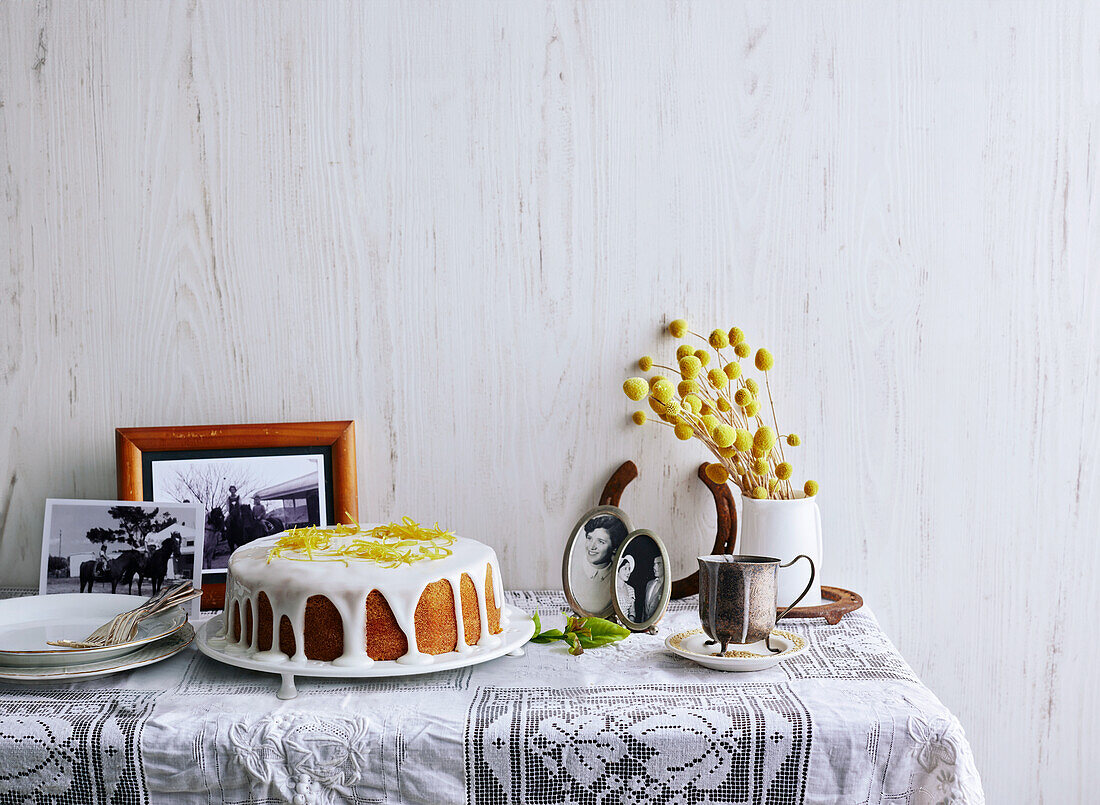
(289, 582)
(354, 619)
(405, 615)
(498, 596)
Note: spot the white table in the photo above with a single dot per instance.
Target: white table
(846, 722)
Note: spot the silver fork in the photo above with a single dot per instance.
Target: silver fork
(123, 627)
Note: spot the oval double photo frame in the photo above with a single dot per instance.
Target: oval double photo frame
(611, 569)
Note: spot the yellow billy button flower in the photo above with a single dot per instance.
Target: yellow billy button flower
(810, 488)
(724, 405)
(705, 409)
(653, 381)
(686, 387)
(764, 439)
(717, 473)
(793, 440)
(752, 386)
(727, 452)
(692, 403)
(760, 466)
(677, 328)
(710, 422)
(638, 417)
(645, 363)
(742, 397)
(783, 470)
(724, 436)
(764, 360)
(657, 406)
(636, 388)
(672, 408)
(690, 367)
(732, 370)
(742, 349)
(703, 356)
(662, 391)
(760, 493)
(683, 431)
(743, 441)
(753, 408)
(719, 339)
(757, 452)
(684, 350)
(736, 336)
(717, 378)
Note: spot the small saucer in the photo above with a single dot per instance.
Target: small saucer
(738, 657)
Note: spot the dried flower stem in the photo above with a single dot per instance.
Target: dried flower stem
(718, 410)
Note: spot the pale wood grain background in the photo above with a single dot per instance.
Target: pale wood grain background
(461, 223)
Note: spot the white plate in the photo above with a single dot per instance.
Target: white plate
(143, 655)
(27, 623)
(748, 657)
(520, 629)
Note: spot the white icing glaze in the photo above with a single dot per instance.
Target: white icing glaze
(288, 583)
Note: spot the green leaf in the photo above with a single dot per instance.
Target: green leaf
(548, 637)
(602, 632)
(580, 633)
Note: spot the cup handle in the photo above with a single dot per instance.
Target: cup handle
(813, 576)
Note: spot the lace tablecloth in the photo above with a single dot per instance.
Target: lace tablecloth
(846, 721)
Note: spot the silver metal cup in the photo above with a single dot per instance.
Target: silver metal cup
(737, 597)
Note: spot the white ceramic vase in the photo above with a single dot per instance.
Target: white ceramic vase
(784, 529)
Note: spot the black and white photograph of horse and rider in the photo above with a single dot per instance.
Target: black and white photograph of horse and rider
(244, 498)
(111, 546)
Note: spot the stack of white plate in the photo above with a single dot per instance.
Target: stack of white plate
(27, 624)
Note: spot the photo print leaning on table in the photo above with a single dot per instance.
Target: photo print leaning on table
(588, 570)
(118, 546)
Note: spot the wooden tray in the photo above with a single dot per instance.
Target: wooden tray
(841, 602)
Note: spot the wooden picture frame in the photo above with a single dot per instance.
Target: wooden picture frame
(137, 449)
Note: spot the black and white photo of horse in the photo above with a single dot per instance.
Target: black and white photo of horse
(124, 547)
(244, 498)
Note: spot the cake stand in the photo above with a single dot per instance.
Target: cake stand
(520, 629)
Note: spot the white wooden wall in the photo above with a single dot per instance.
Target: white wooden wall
(460, 224)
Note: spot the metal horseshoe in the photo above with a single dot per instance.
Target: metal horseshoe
(723, 500)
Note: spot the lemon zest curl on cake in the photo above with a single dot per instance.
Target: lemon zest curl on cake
(389, 546)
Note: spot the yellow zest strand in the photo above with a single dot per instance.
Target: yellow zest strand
(391, 545)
